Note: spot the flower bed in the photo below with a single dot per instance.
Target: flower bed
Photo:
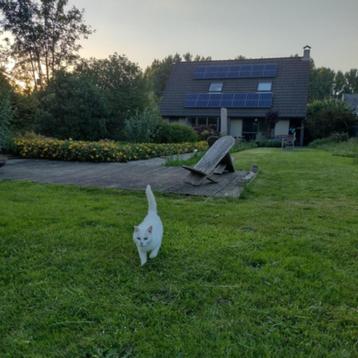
(101, 151)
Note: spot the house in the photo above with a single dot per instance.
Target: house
(237, 97)
(351, 100)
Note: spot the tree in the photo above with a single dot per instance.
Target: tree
(141, 127)
(45, 36)
(122, 85)
(328, 116)
(72, 106)
(339, 84)
(158, 72)
(6, 113)
(351, 78)
(321, 83)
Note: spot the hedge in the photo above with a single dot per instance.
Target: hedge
(102, 151)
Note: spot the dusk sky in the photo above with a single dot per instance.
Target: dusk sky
(148, 29)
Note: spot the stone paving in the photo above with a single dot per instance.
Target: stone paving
(133, 175)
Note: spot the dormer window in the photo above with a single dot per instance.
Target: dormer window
(264, 87)
(216, 87)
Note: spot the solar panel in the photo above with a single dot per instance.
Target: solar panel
(228, 100)
(238, 71)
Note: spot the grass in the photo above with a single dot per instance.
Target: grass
(177, 162)
(273, 274)
(347, 148)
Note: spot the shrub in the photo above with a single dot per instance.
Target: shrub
(205, 132)
(72, 107)
(333, 138)
(123, 86)
(269, 143)
(6, 113)
(328, 116)
(174, 133)
(34, 146)
(240, 146)
(142, 126)
(5, 119)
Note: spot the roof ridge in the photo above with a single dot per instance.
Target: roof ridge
(244, 60)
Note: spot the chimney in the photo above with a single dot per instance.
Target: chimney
(306, 53)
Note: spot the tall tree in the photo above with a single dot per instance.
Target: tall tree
(45, 36)
(351, 78)
(321, 83)
(123, 85)
(6, 113)
(158, 72)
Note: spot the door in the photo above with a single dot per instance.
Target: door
(236, 128)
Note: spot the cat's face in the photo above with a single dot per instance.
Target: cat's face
(142, 237)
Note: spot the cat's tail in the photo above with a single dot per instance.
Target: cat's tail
(152, 205)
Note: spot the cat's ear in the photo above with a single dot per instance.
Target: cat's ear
(136, 228)
(150, 229)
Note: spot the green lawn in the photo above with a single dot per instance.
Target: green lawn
(272, 274)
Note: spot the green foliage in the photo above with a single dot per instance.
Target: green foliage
(338, 144)
(325, 83)
(33, 146)
(273, 274)
(328, 116)
(243, 145)
(321, 83)
(6, 113)
(72, 106)
(122, 84)
(158, 72)
(177, 161)
(25, 108)
(5, 121)
(44, 37)
(333, 138)
(174, 133)
(268, 143)
(142, 126)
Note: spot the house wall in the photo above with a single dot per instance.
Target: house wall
(282, 127)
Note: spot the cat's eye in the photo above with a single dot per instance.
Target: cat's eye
(145, 239)
(138, 238)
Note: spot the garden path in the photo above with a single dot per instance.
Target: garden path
(133, 175)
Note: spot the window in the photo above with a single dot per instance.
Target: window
(264, 86)
(216, 87)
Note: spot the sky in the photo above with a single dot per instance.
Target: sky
(147, 29)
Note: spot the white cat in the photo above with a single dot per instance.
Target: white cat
(149, 233)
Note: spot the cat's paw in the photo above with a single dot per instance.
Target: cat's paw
(153, 254)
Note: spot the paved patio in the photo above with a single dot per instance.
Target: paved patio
(133, 175)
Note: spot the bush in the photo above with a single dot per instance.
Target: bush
(240, 146)
(142, 126)
(333, 138)
(268, 143)
(328, 116)
(6, 113)
(174, 133)
(123, 86)
(72, 107)
(34, 146)
(338, 146)
(205, 132)
(5, 120)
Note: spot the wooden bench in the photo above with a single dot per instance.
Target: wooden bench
(216, 160)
